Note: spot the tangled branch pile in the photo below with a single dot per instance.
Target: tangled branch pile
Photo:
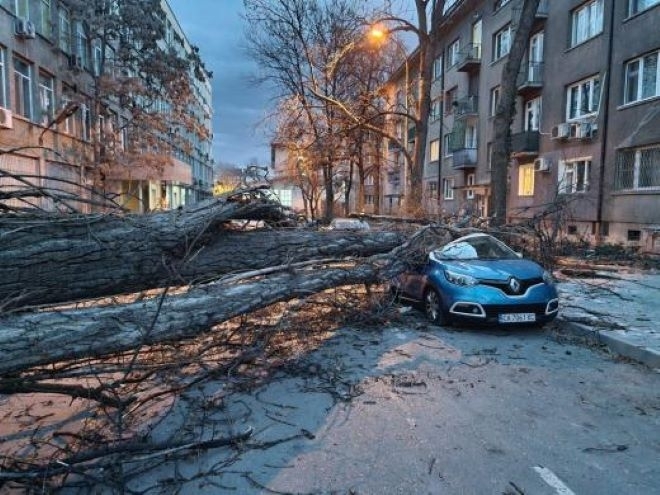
(125, 314)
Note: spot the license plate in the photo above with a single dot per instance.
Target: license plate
(516, 317)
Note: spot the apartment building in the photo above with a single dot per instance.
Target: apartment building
(49, 71)
(586, 133)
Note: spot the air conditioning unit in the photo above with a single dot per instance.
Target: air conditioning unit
(75, 62)
(561, 131)
(24, 28)
(585, 131)
(6, 119)
(541, 165)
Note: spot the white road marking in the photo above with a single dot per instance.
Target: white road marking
(551, 479)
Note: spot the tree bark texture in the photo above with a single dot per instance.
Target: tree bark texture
(506, 111)
(33, 339)
(51, 261)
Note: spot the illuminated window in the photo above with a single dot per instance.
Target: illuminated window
(526, 180)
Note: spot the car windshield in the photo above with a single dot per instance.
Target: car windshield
(476, 248)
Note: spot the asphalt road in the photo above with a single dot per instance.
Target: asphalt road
(425, 410)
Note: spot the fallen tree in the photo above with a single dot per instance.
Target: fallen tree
(50, 260)
(46, 337)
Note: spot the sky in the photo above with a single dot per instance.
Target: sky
(240, 108)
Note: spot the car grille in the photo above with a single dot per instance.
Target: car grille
(495, 309)
(504, 286)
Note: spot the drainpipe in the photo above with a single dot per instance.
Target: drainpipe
(605, 105)
(441, 123)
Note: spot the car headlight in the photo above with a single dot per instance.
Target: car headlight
(460, 279)
(547, 278)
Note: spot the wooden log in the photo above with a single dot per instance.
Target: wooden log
(46, 260)
(33, 339)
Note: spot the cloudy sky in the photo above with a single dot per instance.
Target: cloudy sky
(216, 27)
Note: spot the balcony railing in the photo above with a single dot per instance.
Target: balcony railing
(530, 78)
(464, 158)
(525, 143)
(466, 106)
(469, 58)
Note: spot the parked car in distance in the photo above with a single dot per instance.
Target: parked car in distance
(348, 224)
(479, 279)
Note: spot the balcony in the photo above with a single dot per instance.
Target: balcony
(469, 59)
(525, 144)
(542, 13)
(530, 79)
(466, 107)
(543, 10)
(464, 158)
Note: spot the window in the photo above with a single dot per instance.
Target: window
(3, 76)
(45, 27)
(494, 100)
(64, 28)
(533, 114)
(471, 137)
(469, 181)
(433, 189)
(448, 188)
(526, 180)
(583, 98)
(85, 116)
(502, 43)
(448, 5)
(285, 196)
(369, 199)
(69, 125)
(434, 151)
(437, 67)
(46, 97)
(453, 53)
(97, 57)
(586, 22)
(574, 176)
(642, 78)
(82, 44)
(447, 144)
(436, 109)
(22, 88)
(634, 235)
(21, 8)
(637, 169)
(450, 99)
(636, 6)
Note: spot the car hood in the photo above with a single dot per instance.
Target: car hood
(495, 269)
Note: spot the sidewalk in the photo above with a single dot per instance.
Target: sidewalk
(620, 309)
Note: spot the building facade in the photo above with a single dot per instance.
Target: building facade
(49, 72)
(586, 133)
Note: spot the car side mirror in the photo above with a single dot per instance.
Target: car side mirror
(519, 254)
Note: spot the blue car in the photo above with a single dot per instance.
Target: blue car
(479, 279)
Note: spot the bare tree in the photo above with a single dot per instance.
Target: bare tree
(304, 47)
(138, 102)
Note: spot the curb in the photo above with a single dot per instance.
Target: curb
(615, 343)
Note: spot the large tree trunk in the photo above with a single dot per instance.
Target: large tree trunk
(49, 261)
(506, 111)
(41, 338)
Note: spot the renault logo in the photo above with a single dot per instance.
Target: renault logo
(514, 285)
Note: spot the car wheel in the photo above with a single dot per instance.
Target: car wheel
(433, 307)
